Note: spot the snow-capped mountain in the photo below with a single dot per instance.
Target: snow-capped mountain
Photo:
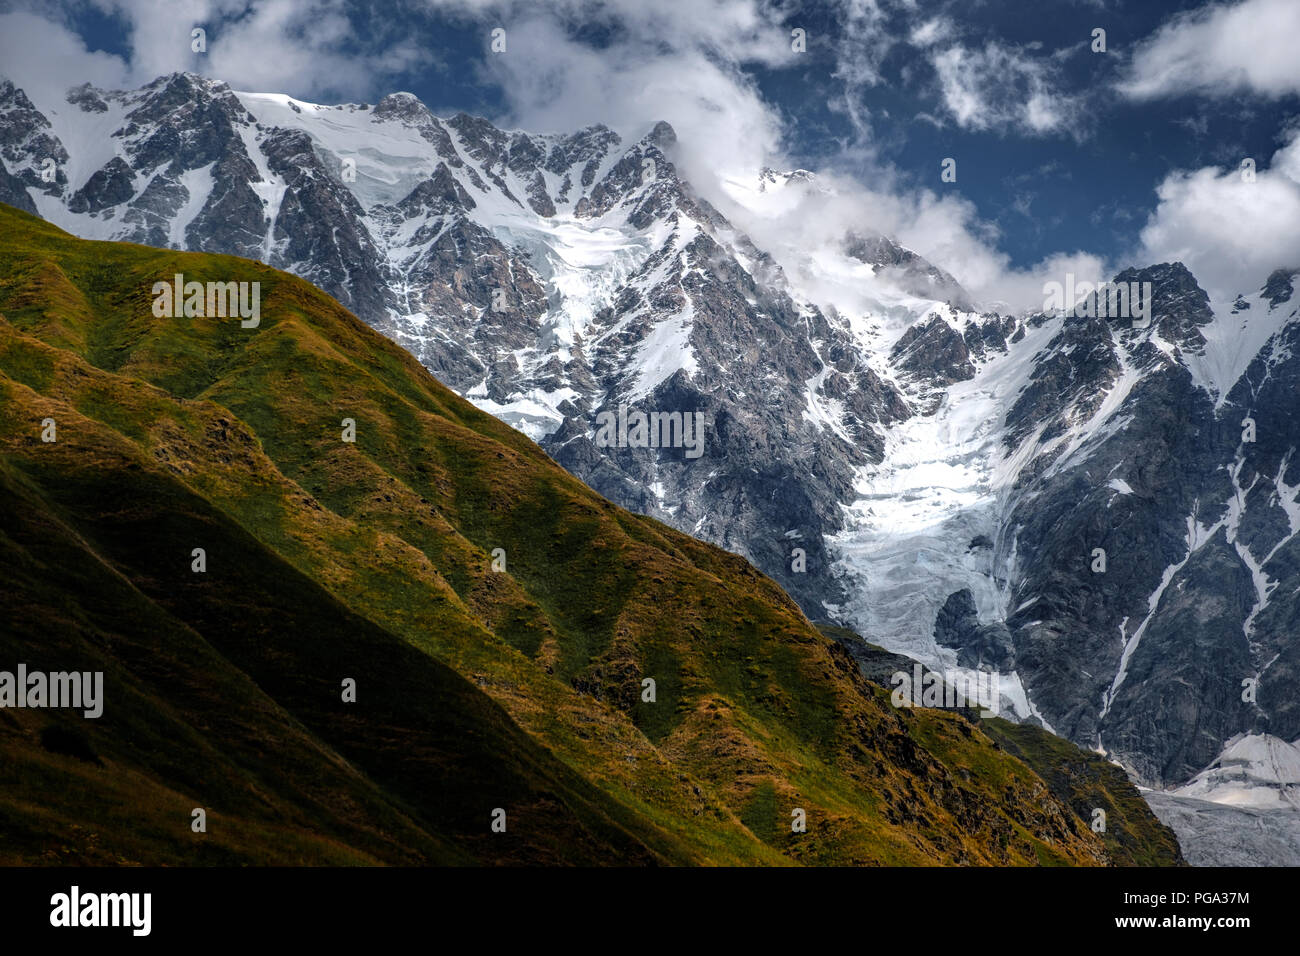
(1105, 512)
(547, 278)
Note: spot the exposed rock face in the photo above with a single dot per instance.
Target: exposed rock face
(913, 273)
(1148, 653)
(14, 192)
(932, 355)
(28, 147)
(941, 479)
(988, 645)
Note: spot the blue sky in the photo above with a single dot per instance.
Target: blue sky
(1064, 156)
(1089, 182)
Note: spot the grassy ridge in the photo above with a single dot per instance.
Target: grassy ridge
(1083, 781)
(373, 560)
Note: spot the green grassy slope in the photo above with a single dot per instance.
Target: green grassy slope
(373, 560)
(1088, 782)
(1081, 780)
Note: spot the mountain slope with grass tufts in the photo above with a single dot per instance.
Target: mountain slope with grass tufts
(477, 689)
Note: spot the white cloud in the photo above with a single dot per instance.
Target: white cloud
(554, 83)
(861, 45)
(1003, 88)
(1231, 233)
(294, 46)
(1220, 50)
(731, 30)
(1286, 160)
(803, 227)
(932, 31)
(45, 69)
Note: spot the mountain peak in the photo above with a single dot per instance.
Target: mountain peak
(913, 273)
(1278, 288)
(662, 135)
(183, 80)
(401, 105)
